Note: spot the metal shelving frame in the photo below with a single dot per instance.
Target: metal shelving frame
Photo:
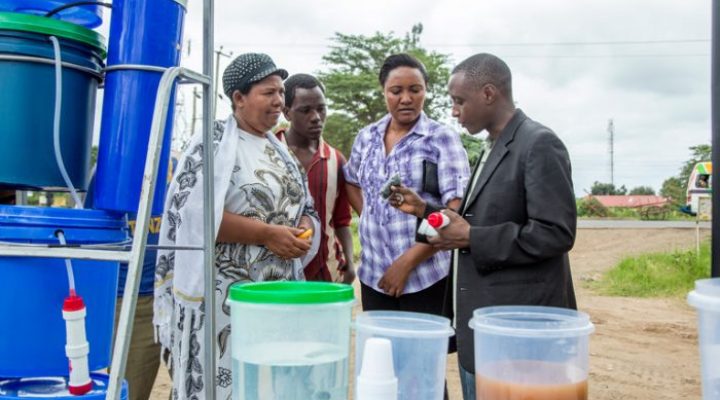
(135, 256)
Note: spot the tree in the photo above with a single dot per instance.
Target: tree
(674, 189)
(642, 191)
(352, 86)
(599, 188)
(701, 152)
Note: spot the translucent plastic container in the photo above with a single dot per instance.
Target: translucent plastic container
(290, 340)
(531, 353)
(706, 298)
(419, 346)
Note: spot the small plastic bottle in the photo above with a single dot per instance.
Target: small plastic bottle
(77, 347)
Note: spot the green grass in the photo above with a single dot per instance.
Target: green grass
(355, 237)
(656, 274)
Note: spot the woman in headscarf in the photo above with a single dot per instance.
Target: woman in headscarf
(404, 147)
(261, 207)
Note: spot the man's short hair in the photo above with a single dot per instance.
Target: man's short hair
(401, 60)
(486, 68)
(304, 81)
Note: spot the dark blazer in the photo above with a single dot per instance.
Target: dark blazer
(522, 216)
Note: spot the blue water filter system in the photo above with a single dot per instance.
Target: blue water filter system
(142, 33)
(32, 290)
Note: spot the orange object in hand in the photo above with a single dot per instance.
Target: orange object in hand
(306, 235)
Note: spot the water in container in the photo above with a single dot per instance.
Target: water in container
(290, 340)
(531, 353)
(292, 371)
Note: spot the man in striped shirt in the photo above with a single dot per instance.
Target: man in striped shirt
(306, 110)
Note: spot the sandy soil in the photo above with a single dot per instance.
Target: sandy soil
(642, 348)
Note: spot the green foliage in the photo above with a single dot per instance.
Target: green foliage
(600, 188)
(352, 86)
(642, 191)
(356, 237)
(674, 189)
(657, 274)
(339, 132)
(591, 207)
(473, 147)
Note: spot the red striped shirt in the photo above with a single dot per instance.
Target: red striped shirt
(327, 187)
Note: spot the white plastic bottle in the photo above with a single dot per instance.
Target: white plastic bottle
(377, 380)
(77, 347)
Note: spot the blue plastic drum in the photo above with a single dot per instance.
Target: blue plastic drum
(54, 388)
(87, 15)
(32, 290)
(145, 33)
(27, 100)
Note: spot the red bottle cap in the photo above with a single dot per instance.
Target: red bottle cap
(436, 219)
(73, 303)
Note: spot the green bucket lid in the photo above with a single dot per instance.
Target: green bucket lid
(51, 26)
(291, 292)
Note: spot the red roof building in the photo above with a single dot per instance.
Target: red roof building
(631, 201)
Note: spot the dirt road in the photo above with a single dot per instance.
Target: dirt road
(642, 349)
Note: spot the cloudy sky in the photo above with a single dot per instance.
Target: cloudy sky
(645, 64)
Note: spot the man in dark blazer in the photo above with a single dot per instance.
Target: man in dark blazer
(516, 223)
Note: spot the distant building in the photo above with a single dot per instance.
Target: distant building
(631, 201)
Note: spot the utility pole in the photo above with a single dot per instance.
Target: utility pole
(611, 131)
(715, 127)
(218, 53)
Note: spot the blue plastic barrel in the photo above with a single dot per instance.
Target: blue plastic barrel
(54, 388)
(147, 33)
(32, 290)
(88, 15)
(27, 100)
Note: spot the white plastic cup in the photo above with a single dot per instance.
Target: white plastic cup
(419, 349)
(377, 379)
(706, 299)
(531, 352)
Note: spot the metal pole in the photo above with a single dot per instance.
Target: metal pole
(209, 201)
(715, 111)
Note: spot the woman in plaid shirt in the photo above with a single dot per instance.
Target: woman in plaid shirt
(396, 272)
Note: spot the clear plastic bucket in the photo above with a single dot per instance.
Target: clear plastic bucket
(290, 340)
(419, 346)
(531, 352)
(706, 298)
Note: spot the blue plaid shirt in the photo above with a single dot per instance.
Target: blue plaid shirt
(386, 233)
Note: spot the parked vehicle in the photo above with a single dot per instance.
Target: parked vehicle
(699, 186)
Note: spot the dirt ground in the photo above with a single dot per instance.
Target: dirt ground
(642, 348)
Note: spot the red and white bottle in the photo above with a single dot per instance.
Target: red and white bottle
(434, 221)
(438, 220)
(76, 347)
